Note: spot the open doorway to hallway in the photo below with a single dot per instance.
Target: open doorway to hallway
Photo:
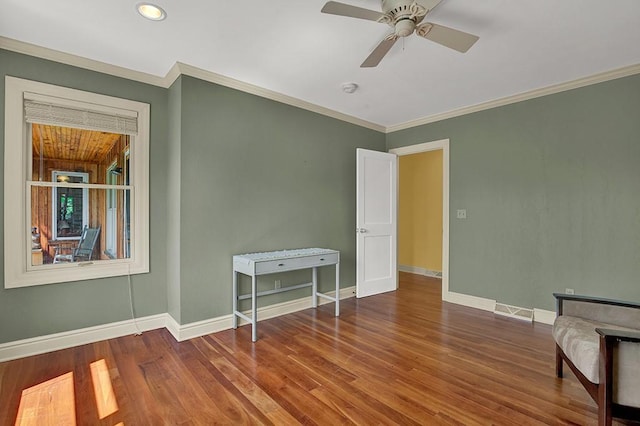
(423, 210)
(420, 213)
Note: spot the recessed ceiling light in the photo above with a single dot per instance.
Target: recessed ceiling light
(151, 11)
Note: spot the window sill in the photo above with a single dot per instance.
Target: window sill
(78, 271)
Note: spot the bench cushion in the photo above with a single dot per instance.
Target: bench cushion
(581, 344)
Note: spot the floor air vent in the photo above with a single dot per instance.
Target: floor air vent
(516, 312)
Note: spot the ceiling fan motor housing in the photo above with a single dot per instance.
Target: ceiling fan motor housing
(403, 15)
(399, 10)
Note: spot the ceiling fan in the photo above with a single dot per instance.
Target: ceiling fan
(405, 17)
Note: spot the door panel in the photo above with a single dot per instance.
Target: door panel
(376, 259)
(376, 233)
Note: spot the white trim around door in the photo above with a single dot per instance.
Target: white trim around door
(442, 144)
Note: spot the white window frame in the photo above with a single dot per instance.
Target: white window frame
(110, 229)
(56, 207)
(17, 221)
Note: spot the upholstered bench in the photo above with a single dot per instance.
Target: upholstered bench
(599, 339)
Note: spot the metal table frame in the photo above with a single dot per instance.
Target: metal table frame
(257, 264)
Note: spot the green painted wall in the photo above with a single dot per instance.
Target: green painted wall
(258, 175)
(40, 310)
(551, 188)
(173, 193)
(230, 173)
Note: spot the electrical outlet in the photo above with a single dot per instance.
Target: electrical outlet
(569, 291)
(278, 284)
(461, 213)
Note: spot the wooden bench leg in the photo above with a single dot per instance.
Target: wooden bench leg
(605, 388)
(558, 361)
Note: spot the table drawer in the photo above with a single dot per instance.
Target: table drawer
(281, 265)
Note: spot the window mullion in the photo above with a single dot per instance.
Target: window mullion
(79, 185)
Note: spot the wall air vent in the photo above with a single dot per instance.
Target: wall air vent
(516, 312)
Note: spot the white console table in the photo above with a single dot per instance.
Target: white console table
(255, 264)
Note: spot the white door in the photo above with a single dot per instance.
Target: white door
(376, 227)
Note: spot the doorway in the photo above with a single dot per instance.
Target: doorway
(443, 146)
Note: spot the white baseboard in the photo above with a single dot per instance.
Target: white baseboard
(419, 271)
(470, 301)
(172, 326)
(68, 339)
(543, 316)
(225, 322)
(539, 315)
(198, 328)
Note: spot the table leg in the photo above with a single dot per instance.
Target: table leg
(338, 289)
(235, 299)
(314, 287)
(254, 310)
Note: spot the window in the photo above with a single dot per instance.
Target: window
(76, 175)
(70, 206)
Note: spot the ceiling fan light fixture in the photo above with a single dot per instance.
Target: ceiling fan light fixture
(405, 27)
(151, 11)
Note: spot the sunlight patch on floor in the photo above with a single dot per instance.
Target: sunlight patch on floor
(103, 390)
(48, 403)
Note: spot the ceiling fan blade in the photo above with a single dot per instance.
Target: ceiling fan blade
(335, 8)
(430, 4)
(448, 37)
(379, 52)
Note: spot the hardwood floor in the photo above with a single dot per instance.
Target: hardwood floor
(398, 358)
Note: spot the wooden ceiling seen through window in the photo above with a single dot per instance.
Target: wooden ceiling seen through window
(65, 143)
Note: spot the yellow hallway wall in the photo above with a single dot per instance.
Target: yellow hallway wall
(420, 210)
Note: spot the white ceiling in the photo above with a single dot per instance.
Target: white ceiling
(289, 47)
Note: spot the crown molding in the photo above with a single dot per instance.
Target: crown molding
(222, 80)
(79, 61)
(531, 94)
(179, 69)
(176, 71)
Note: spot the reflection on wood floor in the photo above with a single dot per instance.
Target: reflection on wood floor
(397, 358)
